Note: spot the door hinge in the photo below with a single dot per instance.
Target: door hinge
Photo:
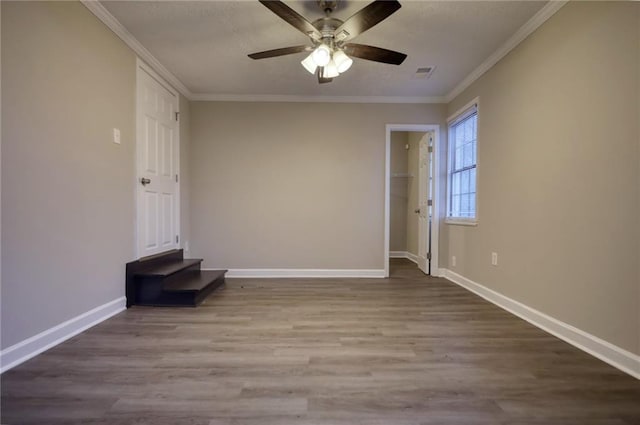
(430, 203)
(176, 178)
(177, 115)
(177, 238)
(430, 149)
(429, 256)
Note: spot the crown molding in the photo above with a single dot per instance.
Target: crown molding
(529, 27)
(312, 99)
(114, 25)
(547, 11)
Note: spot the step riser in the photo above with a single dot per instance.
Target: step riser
(147, 291)
(181, 299)
(178, 276)
(200, 296)
(170, 300)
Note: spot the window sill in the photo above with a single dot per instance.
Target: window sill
(461, 222)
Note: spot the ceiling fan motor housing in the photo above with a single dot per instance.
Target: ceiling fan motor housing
(327, 27)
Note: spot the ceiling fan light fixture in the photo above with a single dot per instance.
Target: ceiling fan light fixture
(309, 64)
(321, 55)
(330, 36)
(330, 71)
(342, 61)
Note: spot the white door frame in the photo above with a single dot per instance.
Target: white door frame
(435, 224)
(141, 66)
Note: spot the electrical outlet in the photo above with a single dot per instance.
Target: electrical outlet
(494, 258)
(453, 261)
(186, 246)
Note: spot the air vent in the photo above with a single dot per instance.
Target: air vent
(424, 72)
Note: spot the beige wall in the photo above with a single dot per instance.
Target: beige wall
(558, 175)
(1, 177)
(398, 192)
(67, 190)
(292, 185)
(638, 185)
(67, 195)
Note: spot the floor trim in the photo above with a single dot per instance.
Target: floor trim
(404, 254)
(617, 357)
(31, 347)
(302, 273)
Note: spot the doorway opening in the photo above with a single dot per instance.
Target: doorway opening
(411, 192)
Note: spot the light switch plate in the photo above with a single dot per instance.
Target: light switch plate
(116, 135)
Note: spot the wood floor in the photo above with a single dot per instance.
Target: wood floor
(405, 351)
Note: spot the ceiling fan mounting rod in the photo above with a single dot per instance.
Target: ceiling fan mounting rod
(328, 6)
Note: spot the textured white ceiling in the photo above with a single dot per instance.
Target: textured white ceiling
(205, 44)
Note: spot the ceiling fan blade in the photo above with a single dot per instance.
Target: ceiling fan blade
(280, 52)
(376, 54)
(292, 17)
(321, 79)
(365, 18)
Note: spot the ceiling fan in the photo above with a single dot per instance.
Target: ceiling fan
(330, 47)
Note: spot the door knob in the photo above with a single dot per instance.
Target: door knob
(145, 181)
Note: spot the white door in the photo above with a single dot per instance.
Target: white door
(424, 181)
(157, 151)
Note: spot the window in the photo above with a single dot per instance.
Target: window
(461, 181)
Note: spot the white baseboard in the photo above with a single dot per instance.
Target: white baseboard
(30, 347)
(404, 254)
(303, 273)
(617, 357)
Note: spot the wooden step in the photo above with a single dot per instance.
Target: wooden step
(168, 268)
(187, 288)
(168, 279)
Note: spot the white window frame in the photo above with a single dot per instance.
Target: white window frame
(461, 114)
